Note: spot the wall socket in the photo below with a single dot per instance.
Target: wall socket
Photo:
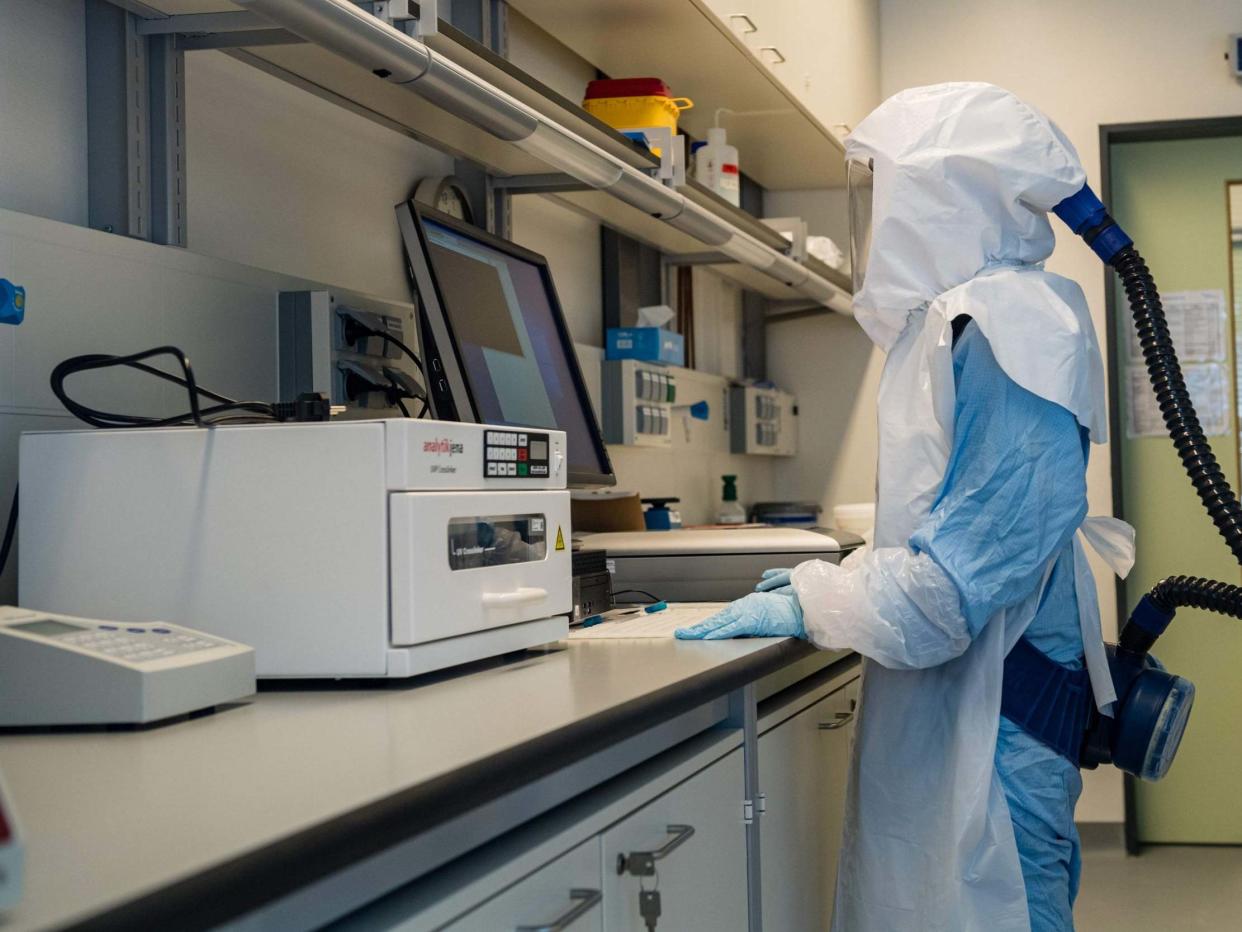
(329, 346)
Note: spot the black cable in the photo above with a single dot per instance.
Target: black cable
(354, 329)
(653, 598)
(10, 529)
(423, 411)
(405, 412)
(226, 411)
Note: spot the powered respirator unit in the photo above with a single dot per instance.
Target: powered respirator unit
(1153, 705)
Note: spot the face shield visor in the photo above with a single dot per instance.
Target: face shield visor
(859, 178)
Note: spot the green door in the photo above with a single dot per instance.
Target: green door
(1172, 198)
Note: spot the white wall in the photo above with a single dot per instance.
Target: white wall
(43, 103)
(280, 179)
(1084, 64)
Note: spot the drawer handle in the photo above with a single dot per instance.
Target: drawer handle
(750, 23)
(839, 721)
(777, 57)
(583, 901)
(642, 863)
(516, 597)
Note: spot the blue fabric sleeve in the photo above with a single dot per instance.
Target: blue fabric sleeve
(1015, 490)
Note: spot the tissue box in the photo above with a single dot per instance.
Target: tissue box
(653, 344)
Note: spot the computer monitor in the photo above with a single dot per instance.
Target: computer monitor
(494, 341)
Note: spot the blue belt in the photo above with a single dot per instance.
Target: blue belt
(1047, 700)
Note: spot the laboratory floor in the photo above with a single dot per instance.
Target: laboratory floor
(1167, 887)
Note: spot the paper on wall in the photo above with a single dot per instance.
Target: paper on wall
(1208, 384)
(1197, 323)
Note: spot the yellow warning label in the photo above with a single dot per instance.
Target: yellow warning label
(560, 538)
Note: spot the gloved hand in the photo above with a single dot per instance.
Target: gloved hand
(774, 579)
(760, 614)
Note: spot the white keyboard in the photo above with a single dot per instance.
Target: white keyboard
(643, 625)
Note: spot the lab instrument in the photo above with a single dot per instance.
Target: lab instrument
(763, 420)
(65, 670)
(494, 340)
(12, 853)
(712, 565)
(349, 549)
(592, 583)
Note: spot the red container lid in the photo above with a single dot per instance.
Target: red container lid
(627, 87)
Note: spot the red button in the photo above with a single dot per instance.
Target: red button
(522, 454)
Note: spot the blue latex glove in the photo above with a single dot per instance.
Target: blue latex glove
(773, 579)
(760, 614)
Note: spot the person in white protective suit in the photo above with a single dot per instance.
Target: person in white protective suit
(961, 817)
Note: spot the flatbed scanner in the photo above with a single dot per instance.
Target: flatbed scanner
(711, 564)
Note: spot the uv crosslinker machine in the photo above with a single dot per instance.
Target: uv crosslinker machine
(356, 549)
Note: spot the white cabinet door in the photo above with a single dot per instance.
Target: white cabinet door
(702, 880)
(564, 895)
(825, 52)
(803, 766)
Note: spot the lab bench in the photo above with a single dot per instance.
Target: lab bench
(542, 791)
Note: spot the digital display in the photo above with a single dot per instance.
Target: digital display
(496, 540)
(539, 449)
(503, 315)
(47, 628)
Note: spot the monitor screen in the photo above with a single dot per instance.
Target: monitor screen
(491, 324)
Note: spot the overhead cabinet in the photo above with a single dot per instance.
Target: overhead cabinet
(824, 52)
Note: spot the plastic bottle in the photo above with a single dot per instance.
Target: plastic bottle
(731, 511)
(715, 166)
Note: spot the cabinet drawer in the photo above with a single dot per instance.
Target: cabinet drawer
(702, 877)
(803, 769)
(564, 894)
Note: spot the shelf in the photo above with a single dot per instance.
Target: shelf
(337, 79)
(699, 57)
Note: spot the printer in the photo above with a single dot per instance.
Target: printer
(382, 548)
(712, 564)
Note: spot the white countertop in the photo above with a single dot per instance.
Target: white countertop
(111, 816)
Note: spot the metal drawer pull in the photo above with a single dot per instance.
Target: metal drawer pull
(839, 721)
(518, 596)
(777, 57)
(750, 23)
(583, 902)
(642, 863)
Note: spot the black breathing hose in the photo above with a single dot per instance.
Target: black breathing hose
(1178, 411)
(1174, 400)
(1174, 592)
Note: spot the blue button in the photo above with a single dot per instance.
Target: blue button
(108, 628)
(137, 630)
(161, 631)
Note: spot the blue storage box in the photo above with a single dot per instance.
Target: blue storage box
(653, 344)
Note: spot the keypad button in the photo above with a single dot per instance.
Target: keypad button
(136, 630)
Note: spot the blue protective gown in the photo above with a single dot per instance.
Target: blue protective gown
(1017, 479)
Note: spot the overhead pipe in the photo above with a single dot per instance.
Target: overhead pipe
(342, 27)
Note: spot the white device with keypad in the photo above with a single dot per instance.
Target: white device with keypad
(64, 670)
